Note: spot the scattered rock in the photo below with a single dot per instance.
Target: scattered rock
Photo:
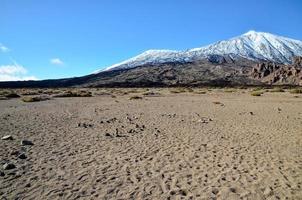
(28, 185)
(204, 120)
(7, 137)
(14, 153)
(131, 131)
(85, 125)
(26, 143)
(215, 191)
(2, 173)
(268, 191)
(233, 190)
(22, 156)
(251, 113)
(111, 120)
(9, 166)
(108, 135)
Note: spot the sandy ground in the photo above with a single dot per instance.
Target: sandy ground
(174, 146)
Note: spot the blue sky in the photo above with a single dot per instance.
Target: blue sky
(66, 38)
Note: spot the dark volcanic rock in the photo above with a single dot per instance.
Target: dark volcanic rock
(9, 166)
(26, 143)
(22, 156)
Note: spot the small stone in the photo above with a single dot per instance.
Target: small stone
(215, 191)
(233, 190)
(28, 185)
(14, 153)
(268, 191)
(108, 135)
(7, 137)
(22, 156)
(8, 166)
(26, 142)
(2, 173)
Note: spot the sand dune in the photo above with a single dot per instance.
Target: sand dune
(172, 146)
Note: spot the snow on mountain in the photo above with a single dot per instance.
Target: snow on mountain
(251, 45)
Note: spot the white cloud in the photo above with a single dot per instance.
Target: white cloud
(12, 69)
(14, 72)
(3, 48)
(56, 61)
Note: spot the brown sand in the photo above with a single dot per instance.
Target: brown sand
(174, 146)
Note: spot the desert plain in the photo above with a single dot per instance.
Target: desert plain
(157, 143)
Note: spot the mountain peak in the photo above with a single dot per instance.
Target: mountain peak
(252, 45)
(251, 32)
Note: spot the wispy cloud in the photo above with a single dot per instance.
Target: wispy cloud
(56, 61)
(3, 48)
(14, 72)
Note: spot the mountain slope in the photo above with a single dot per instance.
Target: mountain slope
(256, 46)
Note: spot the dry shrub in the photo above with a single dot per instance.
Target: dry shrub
(74, 93)
(151, 93)
(277, 89)
(230, 90)
(257, 89)
(200, 92)
(28, 99)
(257, 93)
(296, 91)
(8, 94)
(136, 98)
(178, 90)
(29, 92)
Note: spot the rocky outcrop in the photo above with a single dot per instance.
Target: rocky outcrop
(277, 74)
(297, 61)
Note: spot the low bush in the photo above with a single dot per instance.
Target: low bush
(277, 89)
(200, 92)
(296, 91)
(257, 93)
(135, 98)
(75, 93)
(34, 98)
(230, 90)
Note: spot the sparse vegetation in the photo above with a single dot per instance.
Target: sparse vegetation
(296, 91)
(29, 92)
(230, 90)
(277, 89)
(257, 93)
(28, 99)
(151, 93)
(181, 90)
(74, 93)
(257, 89)
(135, 98)
(200, 92)
(9, 94)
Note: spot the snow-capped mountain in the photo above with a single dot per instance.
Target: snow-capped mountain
(251, 45)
